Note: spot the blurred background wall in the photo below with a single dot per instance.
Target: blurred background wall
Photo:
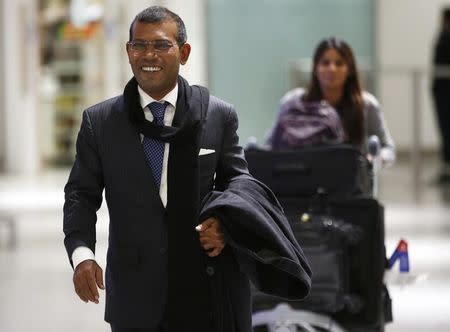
(21, 79)
(60, 56)
(405, 32)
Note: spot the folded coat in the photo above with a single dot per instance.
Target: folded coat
(260, 247)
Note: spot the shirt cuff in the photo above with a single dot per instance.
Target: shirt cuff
(81, 254)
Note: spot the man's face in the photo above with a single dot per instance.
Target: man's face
(156, 70)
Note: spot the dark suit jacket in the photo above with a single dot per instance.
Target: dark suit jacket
(110, 157)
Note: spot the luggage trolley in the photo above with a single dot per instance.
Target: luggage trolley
(345, 247)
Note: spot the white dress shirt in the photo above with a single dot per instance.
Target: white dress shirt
(82, 253)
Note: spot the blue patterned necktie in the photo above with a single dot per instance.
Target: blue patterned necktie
(153, 148)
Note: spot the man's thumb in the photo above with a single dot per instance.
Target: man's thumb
(99, 277)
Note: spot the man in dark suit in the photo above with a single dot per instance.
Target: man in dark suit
(158, 150)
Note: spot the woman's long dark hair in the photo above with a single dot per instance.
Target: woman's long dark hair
(351, 106)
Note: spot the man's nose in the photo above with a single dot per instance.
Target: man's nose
(150, 51)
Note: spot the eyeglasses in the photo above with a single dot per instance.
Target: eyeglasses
(140, 46)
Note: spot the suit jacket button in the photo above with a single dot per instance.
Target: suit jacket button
(209, 270)
(163, 250)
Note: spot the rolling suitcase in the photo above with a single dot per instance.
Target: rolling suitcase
(347, 260)
(366, 259)
(347, 283)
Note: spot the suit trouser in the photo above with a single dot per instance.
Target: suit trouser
(163, 327)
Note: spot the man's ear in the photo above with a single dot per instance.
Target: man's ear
(127, 48)
(185, 50)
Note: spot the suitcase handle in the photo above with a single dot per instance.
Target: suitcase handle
(294, 168)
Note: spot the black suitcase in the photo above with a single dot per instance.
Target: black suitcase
(339, 169)
(366, 259)
(356, 300)
(327, 242)
(349, 276)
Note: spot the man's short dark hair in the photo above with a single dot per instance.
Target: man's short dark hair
(158, 14)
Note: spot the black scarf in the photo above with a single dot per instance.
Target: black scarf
(188, 295)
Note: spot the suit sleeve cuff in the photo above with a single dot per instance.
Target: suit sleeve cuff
(81, 254)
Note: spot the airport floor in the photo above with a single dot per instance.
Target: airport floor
(36, 292)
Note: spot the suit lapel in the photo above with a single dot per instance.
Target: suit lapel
(129, 146)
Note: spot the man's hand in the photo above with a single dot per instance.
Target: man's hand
(87, 276)
(211, 236)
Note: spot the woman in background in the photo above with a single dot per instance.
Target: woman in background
(335, 81)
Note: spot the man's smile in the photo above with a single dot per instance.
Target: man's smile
(151, 69)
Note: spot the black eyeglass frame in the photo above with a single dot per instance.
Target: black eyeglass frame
(159, 45)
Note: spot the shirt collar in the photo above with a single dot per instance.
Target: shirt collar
(171, 97)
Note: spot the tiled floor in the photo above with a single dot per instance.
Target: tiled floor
(35, 278)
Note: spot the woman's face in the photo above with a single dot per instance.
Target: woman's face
(331, 70)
